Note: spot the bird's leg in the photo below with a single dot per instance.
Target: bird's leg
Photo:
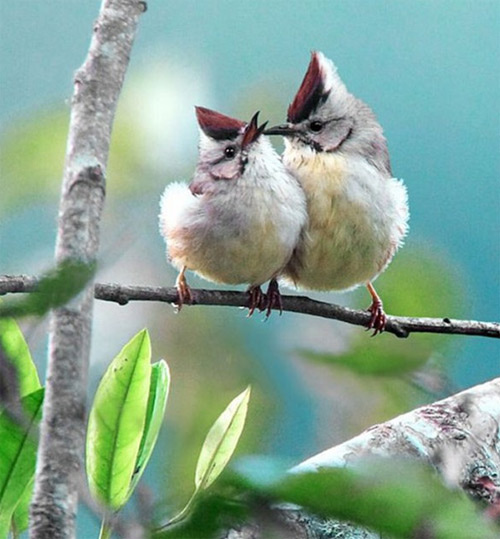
(255, 300)
(273, 298)
(378, 318)
(183, 291)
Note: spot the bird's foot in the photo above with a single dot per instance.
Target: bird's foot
(378, 318)
(273, 298)
(256, 299)
(184, 294)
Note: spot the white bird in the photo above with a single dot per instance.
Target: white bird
(240, 218)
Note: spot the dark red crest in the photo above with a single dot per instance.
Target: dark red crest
(217, 125)
(252, 131)
(311, 92)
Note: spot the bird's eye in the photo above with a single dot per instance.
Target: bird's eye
(230, 152)
(316, 126)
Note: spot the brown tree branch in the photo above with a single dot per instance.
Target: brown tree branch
(401, 326)
(97, 85)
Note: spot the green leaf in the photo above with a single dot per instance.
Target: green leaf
(157, 401)
(17, 351)
(116, 422)
(221, 441)
(17, 454)
(55, 289)
(218, 447)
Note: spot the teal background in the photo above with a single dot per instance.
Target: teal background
(430, 70)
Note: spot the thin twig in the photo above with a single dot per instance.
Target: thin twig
(401, 326)
(97, 85)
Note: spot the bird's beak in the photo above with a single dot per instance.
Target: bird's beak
(286, 130)
(252, 131)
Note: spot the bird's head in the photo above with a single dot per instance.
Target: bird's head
(323, 115)
(226, 143)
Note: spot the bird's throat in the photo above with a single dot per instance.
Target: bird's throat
(321, 174)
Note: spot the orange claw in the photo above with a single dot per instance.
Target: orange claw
(378, 319)
(183, 291)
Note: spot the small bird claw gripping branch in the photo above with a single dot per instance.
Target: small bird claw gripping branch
(401, 326)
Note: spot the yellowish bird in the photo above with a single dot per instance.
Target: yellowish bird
(358, 212)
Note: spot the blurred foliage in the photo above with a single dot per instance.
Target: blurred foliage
(395, 359)
(54, 289)
(31, 159)
(32, 156)
(403, 498)
(211, 513)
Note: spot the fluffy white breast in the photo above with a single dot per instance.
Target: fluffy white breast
(245, 230)
(176, 203)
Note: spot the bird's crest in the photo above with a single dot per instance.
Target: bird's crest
(312, 91)
(218, 126)
(252, 131)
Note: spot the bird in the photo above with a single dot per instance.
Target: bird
(240, 218)
(358, 212)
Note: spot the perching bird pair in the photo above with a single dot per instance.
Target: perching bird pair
(327, 215)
